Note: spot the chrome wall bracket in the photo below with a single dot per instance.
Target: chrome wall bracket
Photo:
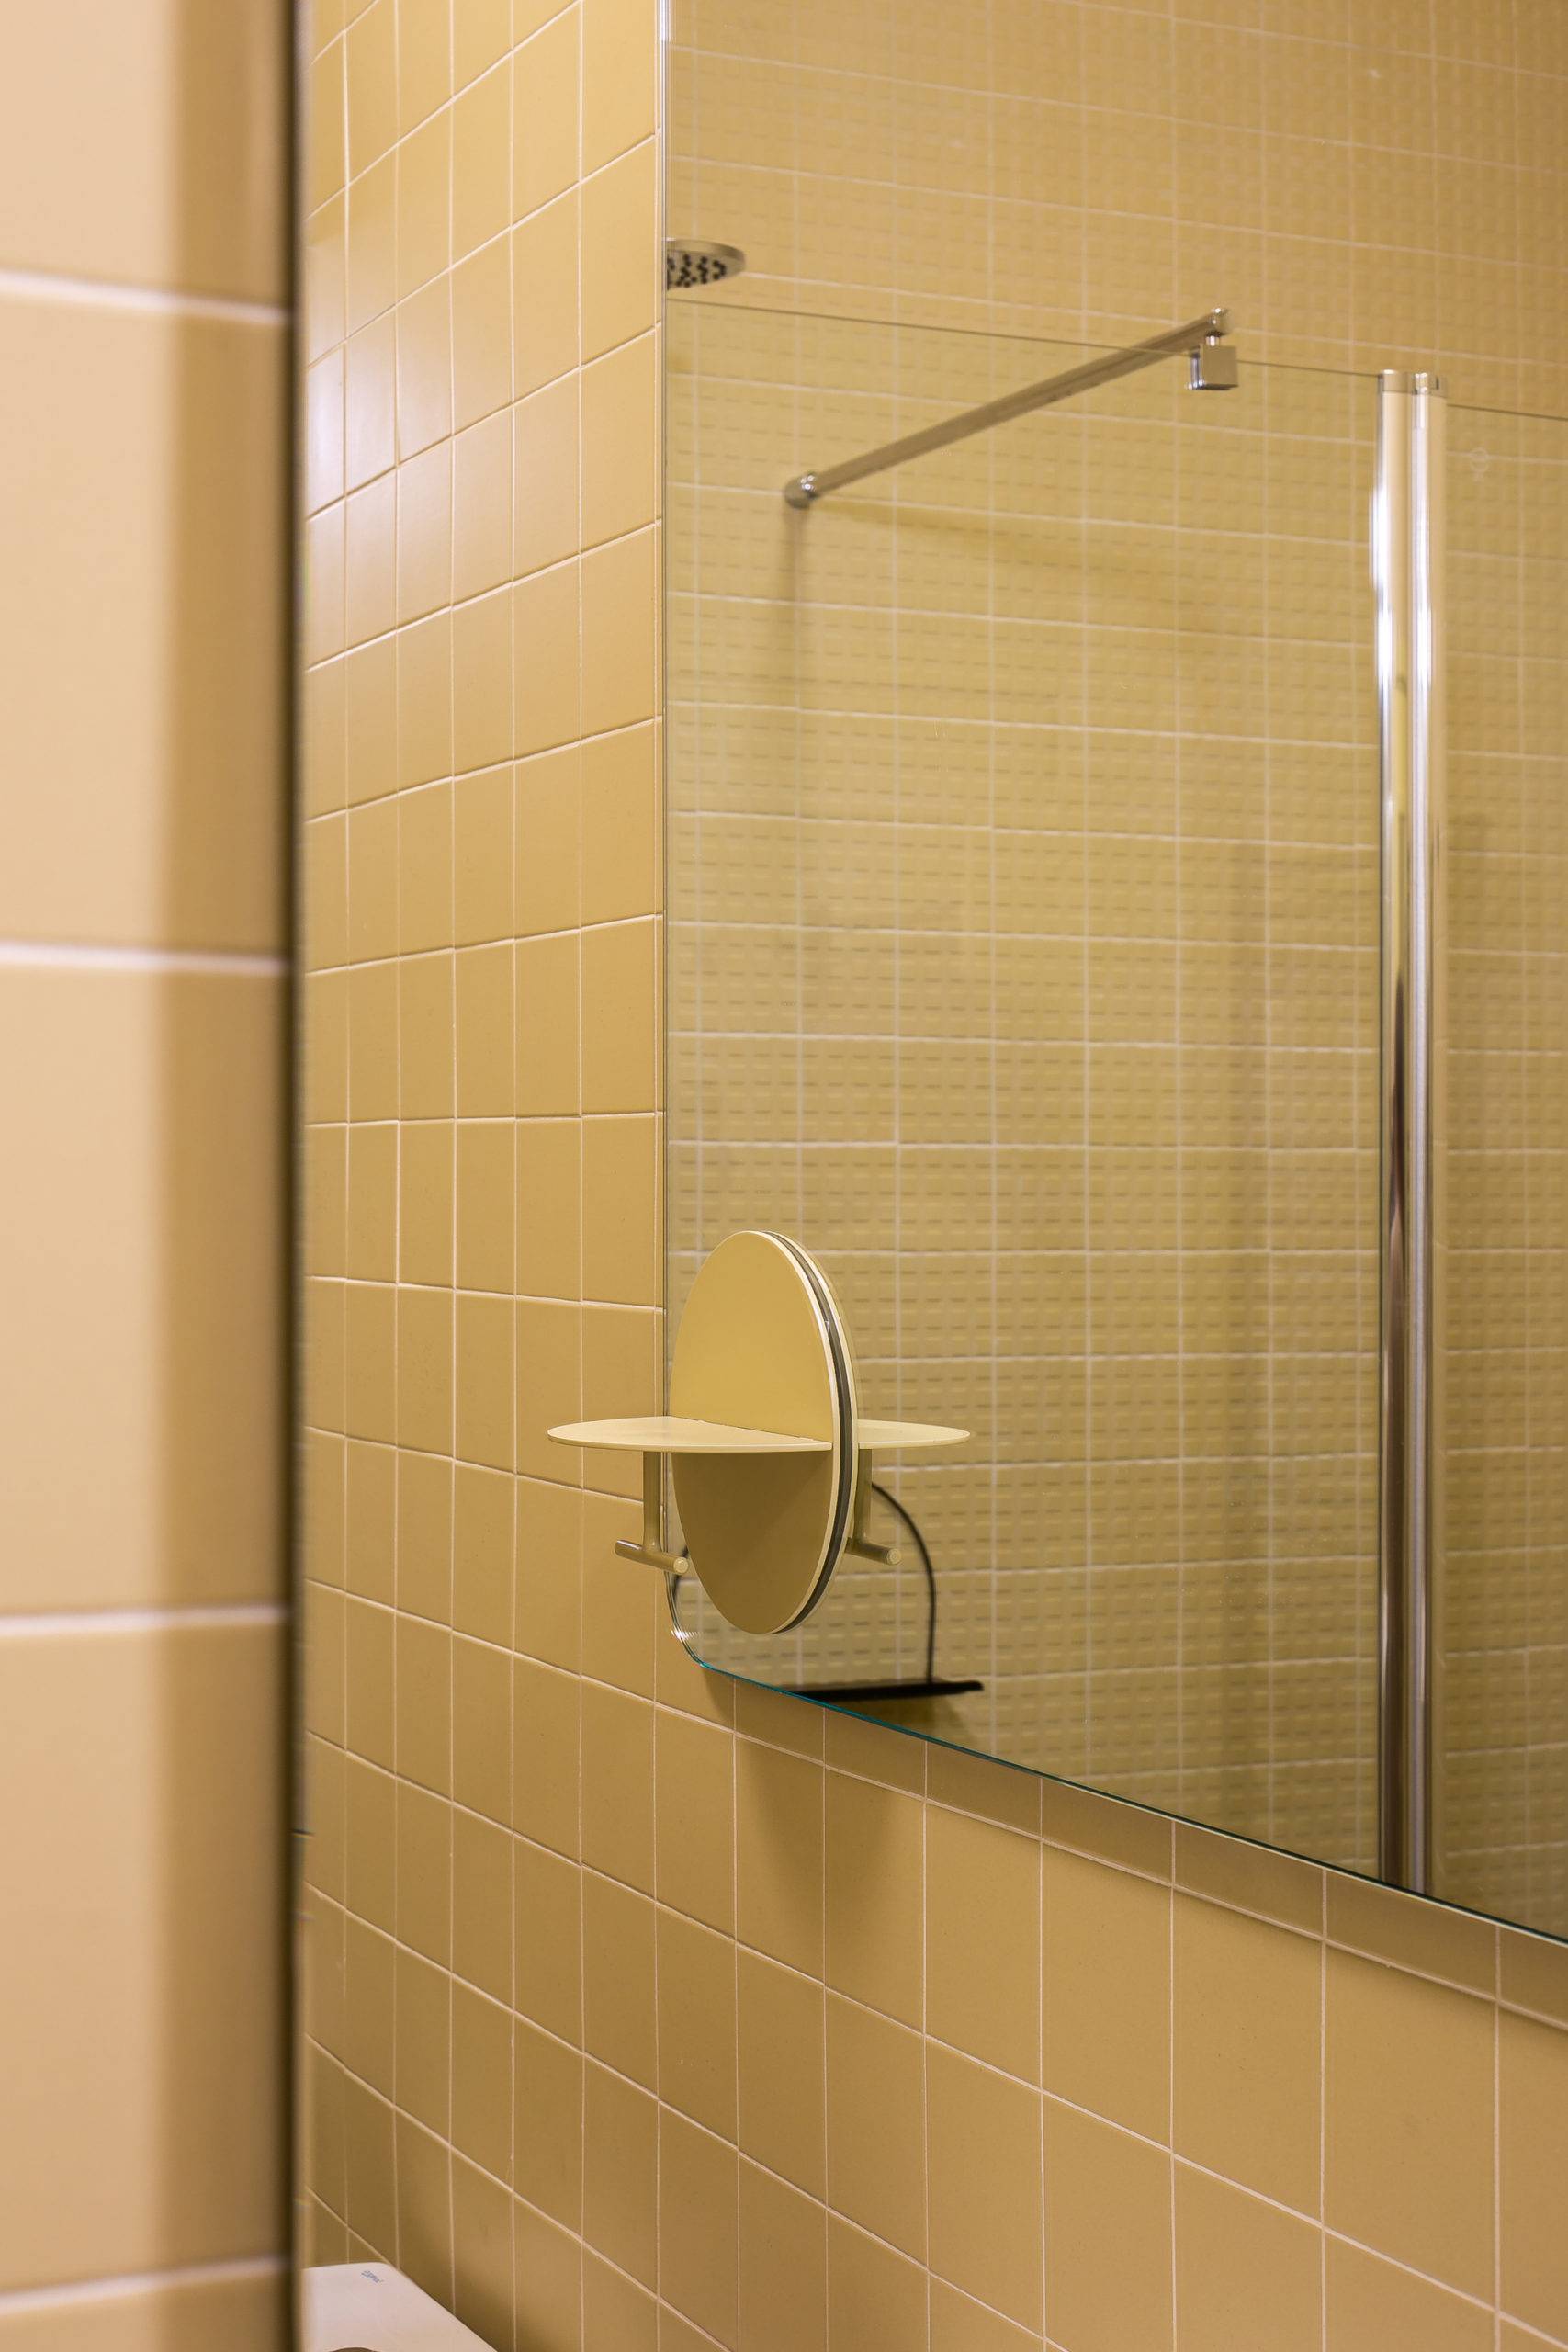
(1212, 367)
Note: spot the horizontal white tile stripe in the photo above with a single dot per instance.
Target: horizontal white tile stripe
(32, 1625)
(73, 955)
(103, 293)
(20, 2301)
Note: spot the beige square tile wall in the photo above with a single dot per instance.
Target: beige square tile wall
(144, 324)
(1058, 1039)
(644, 2011)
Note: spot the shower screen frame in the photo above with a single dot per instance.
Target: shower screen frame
(1408, 573)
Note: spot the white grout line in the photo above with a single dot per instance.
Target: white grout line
(20, 2301)
(103, 293)
(83, 955)
(49, 1625)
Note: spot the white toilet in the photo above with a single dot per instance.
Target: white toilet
(365, 2307)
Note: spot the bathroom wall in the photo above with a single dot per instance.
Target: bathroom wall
(645, 2010)
(144, 288)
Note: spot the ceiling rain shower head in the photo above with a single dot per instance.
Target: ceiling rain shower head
(693, 261)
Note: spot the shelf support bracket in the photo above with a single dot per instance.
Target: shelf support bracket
(649, 1548)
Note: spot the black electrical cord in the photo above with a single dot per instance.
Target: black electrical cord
(894, 1505)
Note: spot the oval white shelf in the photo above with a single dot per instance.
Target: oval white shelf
(677, 1434)
(765, 1515)
(905, 1437)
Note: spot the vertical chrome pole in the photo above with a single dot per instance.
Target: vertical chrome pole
(1407, 567)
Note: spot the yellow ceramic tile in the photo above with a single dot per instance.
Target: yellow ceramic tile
(372, 71)
(986, 2194)
(482, 333)
(180, 142)
(482, 1728)
(1408, 2094)
(621, 1230)
(875, 2297)
(423, 664)
(619, 256)
(1106, 1990)
(423, 341)
(481, 2079)
(422, 2035)
(618, 1785)
(548, 1716)
(620, 408)
(1372, 2301)
(150, 1102)
(1109, 2196)
(188, 850)
(96, 2180)
(423, 209)
(695, 1971)
(619, 598)
(481, 2249)
(698, 2255)
(618, 1982)
(1247, 2051)
(481, 1905)
(544, 294)
(620, 825)
(481, 160)
(485, 1192)
(544, 115)
(480, 31)
(549, 1207)
(546, 621)
(485, 1373)
(423, 2208)
(783, 2293)
(875, 1900)
(481, 499)
(368, 1959)
(780, 2028)
(482, 677)
(619, 78)
(620, 2201)
(1532, 2062)
(424, 1873)
(1386, 1924)
(545, 442)
(778, 1855)
(877, 2172)
(550, 812)
(1247, 2273)
(549, 2284)
(982, 1939)
(696, 1820)
(619, 1010)
(1250, 1877)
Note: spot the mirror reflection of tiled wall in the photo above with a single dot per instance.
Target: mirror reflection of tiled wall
(1023, 850)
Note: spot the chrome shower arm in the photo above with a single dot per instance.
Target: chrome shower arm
(1213, 370)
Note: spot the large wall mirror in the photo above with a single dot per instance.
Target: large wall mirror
(1127, 952)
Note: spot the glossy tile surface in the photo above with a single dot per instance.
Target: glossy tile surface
(757, 2105)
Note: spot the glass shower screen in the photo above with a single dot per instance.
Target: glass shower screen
(1023, 959)
(1501, 1761)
